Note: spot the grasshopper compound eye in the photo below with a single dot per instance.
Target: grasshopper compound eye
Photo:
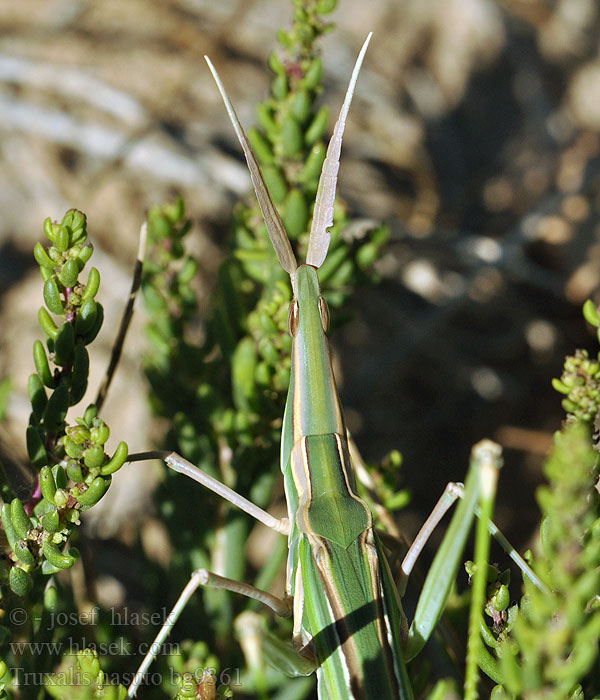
(293, 317)
(324, 314)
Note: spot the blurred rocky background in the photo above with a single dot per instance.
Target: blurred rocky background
(475, 134)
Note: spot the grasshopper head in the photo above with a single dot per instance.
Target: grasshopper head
(307, 301)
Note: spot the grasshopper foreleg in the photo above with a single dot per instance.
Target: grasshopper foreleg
(182, 466)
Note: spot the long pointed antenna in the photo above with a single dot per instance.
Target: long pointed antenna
(318, 243)
(275, 229)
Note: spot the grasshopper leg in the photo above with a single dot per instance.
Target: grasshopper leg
(202, 577)
(256, 641)
(452, 492)
(182, 466)
(445, 502)
(496, 533)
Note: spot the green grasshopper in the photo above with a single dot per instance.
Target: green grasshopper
(349, 625)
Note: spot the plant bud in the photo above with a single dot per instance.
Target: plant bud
(61, 238)
(242, 367)
(313, 164)
(23, 553)
(68, 273)
(295, 213)
(74, 219)
(20, 581)
(19, 517)
(48, 229)
(312, 76)
(8, 527)
(291, 136)
(317, 127)
(264, 114)
(90, 413)
(73, 450)
(300, 107)
(47, 484)
(84, 253)
(95, 329)
(52, 298)
(40, 361)
(275, 64)
(116, 461)
(41, 256)
(89, 665)
(92, 285)
(61, 498)
(94, 457)
(100, 433)
(501, 600)
(279, 87)
(57, 558)
(74, 471)
(324, 7)
(64, 344)
(261, 147)
(275, 183)
(47, 324)
(94, 492)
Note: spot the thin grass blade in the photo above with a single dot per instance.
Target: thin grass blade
(488, 478)
(441, 574)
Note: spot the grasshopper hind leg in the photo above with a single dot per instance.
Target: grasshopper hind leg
(202, 577)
